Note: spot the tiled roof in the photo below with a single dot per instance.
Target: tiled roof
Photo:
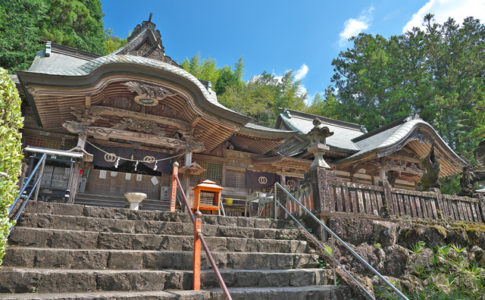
(388, 136)
(350, 137)
(60, 64)
(343, 132)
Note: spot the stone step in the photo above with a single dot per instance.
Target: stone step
(42, 220)
(148, 259)
(119, 202)
(93, 200)
(121, 213)
(277, 293)
(61, 281)
(76, 239)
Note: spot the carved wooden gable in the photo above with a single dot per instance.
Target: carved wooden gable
(145, 41)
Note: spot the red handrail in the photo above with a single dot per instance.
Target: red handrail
(198, 235)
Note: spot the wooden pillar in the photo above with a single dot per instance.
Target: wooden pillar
(81, 141)
(388, 208)
(188, 159)
(173, 192)
(188, 162)
(75, 175)
(482, 207)
(283, 178)
(443, 212)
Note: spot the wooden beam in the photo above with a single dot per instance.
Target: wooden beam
(87, 102)
(98, 110)
(405, 158)
(390, 165)
(196, 121)
(107, 133)
(141, 147)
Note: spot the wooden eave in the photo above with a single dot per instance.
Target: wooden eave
(260, 145)
(283, 162)
(54, 105)
(449, 161)
(73, 88)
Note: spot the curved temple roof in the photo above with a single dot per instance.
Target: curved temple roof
(381, 142)
(61, 68)
(344, 132)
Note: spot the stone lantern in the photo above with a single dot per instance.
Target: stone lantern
(318, 146)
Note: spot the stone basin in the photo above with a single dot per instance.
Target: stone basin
(135, 198)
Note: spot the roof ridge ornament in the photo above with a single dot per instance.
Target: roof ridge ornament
(146, 41)
(286, 113)
(432, 167)
(412, 117)
(48, 48)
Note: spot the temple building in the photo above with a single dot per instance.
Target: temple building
(134, 112)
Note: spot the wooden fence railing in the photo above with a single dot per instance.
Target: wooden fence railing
(463, 208)
(364, 200)
(355, 198)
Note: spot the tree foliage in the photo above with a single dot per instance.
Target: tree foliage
(19, 32)
(261, 98)
(76, 23)
(10, 151)
(437, 72)
(112, 42)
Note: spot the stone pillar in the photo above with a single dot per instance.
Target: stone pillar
(318, 151)
(319, 169)
(320, 174)
(318, 178)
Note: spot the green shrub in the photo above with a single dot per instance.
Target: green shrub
(10, 151)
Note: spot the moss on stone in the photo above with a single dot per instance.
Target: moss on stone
(441, 229)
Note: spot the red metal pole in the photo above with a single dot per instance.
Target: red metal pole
(197, 248)
(173, 194)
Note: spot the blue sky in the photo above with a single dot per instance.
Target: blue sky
(276, 36)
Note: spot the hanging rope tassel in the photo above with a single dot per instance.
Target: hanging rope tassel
(117, 162)
(154, 169)
(136, 165)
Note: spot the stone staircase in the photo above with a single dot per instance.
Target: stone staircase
(62, 251)
(119, 202)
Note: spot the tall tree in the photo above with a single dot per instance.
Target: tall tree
(206, 69)
(112, 42)
(75, 23)
(437, 72)
(19, 32)
(25, 23)
(263, 97)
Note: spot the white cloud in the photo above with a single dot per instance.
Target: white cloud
(444, 9)
(301, 90)
(301, 72)
(353, 27)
